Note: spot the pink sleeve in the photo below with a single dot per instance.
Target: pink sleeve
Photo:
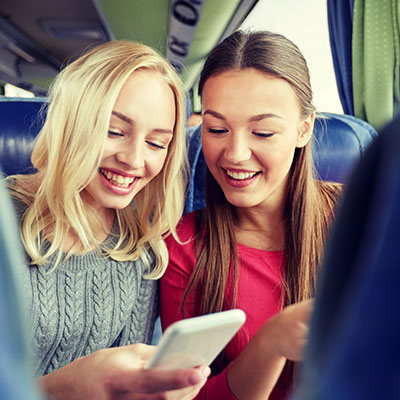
(173, 283)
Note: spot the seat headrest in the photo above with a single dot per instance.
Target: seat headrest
(339, 141)
(20, 122)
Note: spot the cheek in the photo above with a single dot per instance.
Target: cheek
(280, 161)
(211, 160)
(156, 163)
(110, 148)
(275, 157)
(211, 151)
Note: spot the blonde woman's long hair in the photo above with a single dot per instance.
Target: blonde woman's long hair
(68, 153)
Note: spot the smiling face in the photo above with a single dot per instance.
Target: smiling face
(251, 128)
(141, 128)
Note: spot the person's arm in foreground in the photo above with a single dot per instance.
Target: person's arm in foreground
(118, 373)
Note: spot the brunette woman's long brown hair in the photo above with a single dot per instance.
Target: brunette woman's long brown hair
(309, 205)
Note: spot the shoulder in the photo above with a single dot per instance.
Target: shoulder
(23, 187)
(23, 190)
(329, 198)
(28, 184)
(186, 228)
(18, 200)
(331, 191)
(181, 249)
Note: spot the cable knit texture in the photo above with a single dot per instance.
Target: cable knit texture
(88, 303)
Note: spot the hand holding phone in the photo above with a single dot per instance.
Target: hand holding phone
(195, 341)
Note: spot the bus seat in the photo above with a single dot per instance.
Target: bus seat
(339, 142)
(20, 122)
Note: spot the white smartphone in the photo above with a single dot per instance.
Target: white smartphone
(198, 340)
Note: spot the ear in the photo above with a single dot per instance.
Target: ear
(305, 131)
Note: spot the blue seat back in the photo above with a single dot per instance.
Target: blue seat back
(20, 122)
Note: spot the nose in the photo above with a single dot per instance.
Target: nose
(132, 154)
(237, 148)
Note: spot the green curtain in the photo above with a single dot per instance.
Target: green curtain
(376, 60)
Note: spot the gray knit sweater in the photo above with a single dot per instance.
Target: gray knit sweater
(88, 303)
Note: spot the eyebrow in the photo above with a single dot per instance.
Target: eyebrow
(260, 117)
(131, 122)
(123, 117)
(255, 118)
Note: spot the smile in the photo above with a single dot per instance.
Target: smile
(240, 175)
(117, 180)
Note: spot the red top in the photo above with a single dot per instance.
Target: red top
(259, 296)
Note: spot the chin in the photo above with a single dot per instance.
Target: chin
(120, 206)
(116, 205)
(240, 202)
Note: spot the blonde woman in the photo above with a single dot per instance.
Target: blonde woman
(258, 243)
(109, 185)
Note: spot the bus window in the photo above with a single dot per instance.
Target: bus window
(307, 27)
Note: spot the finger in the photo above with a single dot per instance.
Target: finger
(299, 355)
(303, 309)
(157, 380)
(142, 350)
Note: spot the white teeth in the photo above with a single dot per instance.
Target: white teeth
(240, 175)
(118, 180)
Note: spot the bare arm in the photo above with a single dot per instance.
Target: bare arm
(255, 372)
(118, 373)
